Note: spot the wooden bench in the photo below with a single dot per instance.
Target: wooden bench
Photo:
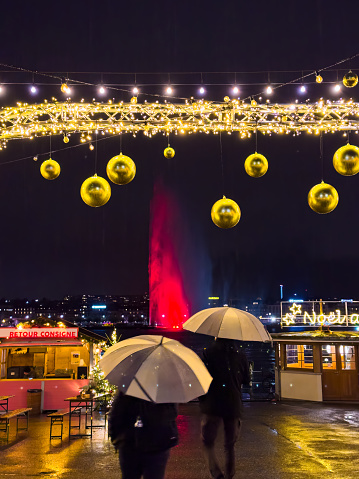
(19, 414)
(57, 419)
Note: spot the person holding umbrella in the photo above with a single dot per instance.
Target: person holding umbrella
(144, 433)
(153, 373)
(223, 403)
(229, 368)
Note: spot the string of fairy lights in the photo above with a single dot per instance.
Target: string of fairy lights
(242, 117)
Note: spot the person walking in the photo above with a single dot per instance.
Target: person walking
(223, 403)
(143, 432)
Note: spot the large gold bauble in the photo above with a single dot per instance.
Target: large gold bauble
(121, 169)
(256, 165)
(169, 153)
(346, 160)
(319, 78)
(350, 79)
(323, 198)
(50, 169)
(225, 213)
(95, 191)
(64, 88)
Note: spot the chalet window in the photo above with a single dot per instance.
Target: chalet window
(299, 356)
(347, 354)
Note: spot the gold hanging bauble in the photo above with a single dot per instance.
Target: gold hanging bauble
(226, 99)
(318, 78)
(95, 191)
(323, 198)
(253, 103)
(346, 160)
(225, 213)
(169, 153)
(350, 79)
(50, 169)
(64, 88)
(66, 139)
(121, 169)
(134, 100)
(256, 165)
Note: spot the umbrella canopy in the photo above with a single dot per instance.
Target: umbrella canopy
(230, 323)
(155, 368)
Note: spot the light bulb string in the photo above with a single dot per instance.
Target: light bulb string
(299, 79)
(46, 153)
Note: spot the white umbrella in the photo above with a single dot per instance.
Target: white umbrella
(155, 368)
(230, 323)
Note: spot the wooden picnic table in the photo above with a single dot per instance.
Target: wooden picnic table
(4, 402)
(86, 402)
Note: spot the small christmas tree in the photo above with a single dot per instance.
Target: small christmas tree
(98, 383)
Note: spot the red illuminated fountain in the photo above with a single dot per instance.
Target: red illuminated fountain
(168, 302)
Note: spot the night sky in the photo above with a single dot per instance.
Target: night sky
(52, 244)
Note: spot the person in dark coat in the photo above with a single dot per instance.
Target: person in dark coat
(143, 432)
(223, 403)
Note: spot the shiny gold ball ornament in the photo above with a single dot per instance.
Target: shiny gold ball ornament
(346, 160)
(226, 99)
(169, 152)
(350, 79)
(256, 165)
(64, 88)
(134, 100)
(225, 213)
(65, 139)
(50, 169)
(253, 103)
(121, 169)
(95, 191)
(323, 198)
(318, 78)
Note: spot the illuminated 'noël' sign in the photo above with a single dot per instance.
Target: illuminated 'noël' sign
(317, 313)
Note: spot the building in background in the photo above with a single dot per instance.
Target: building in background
(83, 310)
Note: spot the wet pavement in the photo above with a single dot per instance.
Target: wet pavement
(278, 440)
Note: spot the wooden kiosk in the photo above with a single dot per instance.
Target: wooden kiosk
(54, 358)
(317, 353)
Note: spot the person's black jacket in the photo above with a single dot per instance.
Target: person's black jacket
(142, 425)
(229, 368)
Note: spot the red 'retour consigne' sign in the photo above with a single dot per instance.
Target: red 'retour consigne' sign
(39, 333)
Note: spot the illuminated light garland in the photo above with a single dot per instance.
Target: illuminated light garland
(334, 317)
(51, 118)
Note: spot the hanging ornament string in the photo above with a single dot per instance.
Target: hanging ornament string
(50, 147)
(121, 143)
(96, 155)
(168, 140)
(321, 154)
(256, 134)
(221, 153)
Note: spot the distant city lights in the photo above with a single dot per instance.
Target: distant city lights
(135, 90)
(235, 90)
(303, 89)
(99, 306)
(269, 90)
(33, 89)
(169, 90)
(202, 91)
